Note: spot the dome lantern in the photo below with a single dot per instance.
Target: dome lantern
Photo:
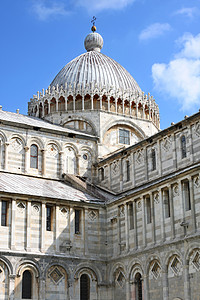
(93, 41)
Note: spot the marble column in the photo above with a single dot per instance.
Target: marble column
(11, 287)
(43, 162)
(193, 214)
(165, 283)
(26, 148)
(12, 225)
(57, 243)
(43, 227)
(28, 226)
(6, 156)
(61, 153)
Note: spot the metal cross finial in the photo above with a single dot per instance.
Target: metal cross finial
(93, 20)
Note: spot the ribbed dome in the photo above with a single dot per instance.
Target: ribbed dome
(96, 68)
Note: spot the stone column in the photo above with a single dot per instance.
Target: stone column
(61, 163)
(123, 106)
(74, 104)
(127, 227)
(127, 290)
(171, 211)
(118, 233)
(153, 218)
(193, 214)
(165, 283)
(43, 227)
(92, 102)
(159, 157)
(146, 287)
(144, 220)
(135, 225)
(12, 225)
(83, 102)
(28, 227)
(66, 104)
(42, 288)
(6, 156)
(121, 174)
(85, 222)
(26, 148)
(71, 223)
(56, 105)
(108, 103)
(11, 287)
(162, 225)
(57, 229)
(130, 107)
(43, 162)
(49, 107)
(174, 151)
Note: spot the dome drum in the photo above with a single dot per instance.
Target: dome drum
(56, 100)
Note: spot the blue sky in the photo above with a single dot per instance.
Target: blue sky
(157, 41)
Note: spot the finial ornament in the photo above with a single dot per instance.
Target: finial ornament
(93, 22)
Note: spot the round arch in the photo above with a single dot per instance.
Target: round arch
(88, 269)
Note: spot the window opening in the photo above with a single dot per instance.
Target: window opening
(124, 136)
(34, 157)
(186, 193)
(148, 206)
(77, 221)
(127, 170)
(166, 203)
(153, 155)
(131, 218)
(183, 146)
(27, 285)
(85, 287)
(49, 218)
(4, 211)
(138, 283)
(102, 177)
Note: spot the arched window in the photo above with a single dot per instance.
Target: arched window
(138, 287)
(34, 157)
(70, 161)
(85, 287)
(27, 285)
(183, 146)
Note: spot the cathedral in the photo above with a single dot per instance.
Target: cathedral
(96, 202)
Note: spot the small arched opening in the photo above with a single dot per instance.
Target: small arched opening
(84, 287)
(27, 285)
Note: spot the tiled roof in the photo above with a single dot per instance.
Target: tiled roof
(40, 187)
(36, 122)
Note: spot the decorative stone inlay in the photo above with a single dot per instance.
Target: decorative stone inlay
(64, 211)
(167, 144)
(139, 156)
(56, 275)
(155, 270)
(121, 211)
(175, 265)
(139, 204)
(196, 260)
(52, 150)
(92, 214)
(35, 209)
(196, 181)
(175, 190)
(115, 168)
(156, 198)
(21, 207)
(120, 279)
(16, 144)
(197, 129)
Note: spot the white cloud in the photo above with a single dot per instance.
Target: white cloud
(180, 78)
(45, 10)
(189, 12)
(154, 30)
(99, 5)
